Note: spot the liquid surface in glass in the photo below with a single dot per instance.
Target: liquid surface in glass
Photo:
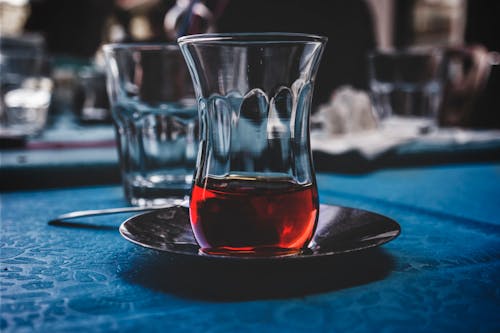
(253, 214)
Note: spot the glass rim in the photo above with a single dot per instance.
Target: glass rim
(252, 38)
(141, 46)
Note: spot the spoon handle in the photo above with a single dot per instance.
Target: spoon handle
(119, 210)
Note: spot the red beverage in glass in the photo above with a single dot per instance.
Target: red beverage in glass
(257, 215)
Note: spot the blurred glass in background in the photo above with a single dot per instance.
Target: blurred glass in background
(407, 86)
(468, 32)
(26, 90)
(25, 74)
(156, 120)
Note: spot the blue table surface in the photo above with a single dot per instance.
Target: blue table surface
(441, 274)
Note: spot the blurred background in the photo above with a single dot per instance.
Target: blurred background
(71, 33)
(53, 80)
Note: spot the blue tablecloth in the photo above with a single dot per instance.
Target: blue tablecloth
(440, 275)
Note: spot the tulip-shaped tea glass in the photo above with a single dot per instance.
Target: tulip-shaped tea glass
(254, 190)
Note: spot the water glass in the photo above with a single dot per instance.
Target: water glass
(25, 92)
(155, 117)
(407, 86)
(254, 191)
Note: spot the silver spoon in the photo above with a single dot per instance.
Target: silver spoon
(118, 210)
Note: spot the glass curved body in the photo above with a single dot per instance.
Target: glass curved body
(254, 190)
(156, 120)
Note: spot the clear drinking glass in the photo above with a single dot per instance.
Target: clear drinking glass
(156, 120)
(25, 92)
(407, 86)
(254, 190)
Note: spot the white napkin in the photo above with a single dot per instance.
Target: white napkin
(372, 143)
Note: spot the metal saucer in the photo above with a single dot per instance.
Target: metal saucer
(339, 230)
